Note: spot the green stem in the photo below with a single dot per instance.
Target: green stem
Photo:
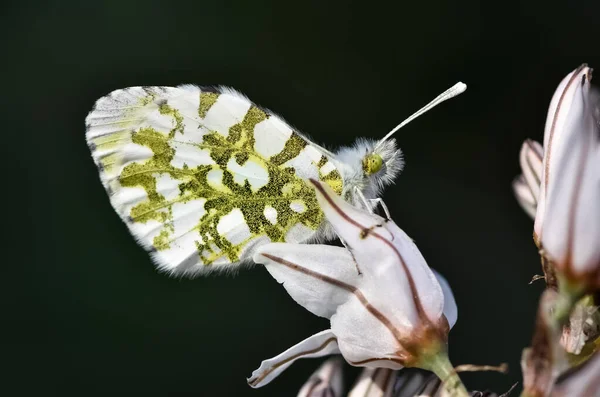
(562, 310)
(441, 366)
(569, 295)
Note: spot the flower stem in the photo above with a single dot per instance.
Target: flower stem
(562, 310)
(568, 296)
(441, 366)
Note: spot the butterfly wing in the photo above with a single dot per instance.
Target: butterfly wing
(202, 177)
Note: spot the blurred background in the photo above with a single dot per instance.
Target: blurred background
(84, 310)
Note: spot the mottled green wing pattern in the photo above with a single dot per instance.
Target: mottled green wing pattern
(202, 177)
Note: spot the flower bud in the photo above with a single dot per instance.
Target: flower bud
(567, 223)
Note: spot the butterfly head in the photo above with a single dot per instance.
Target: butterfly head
(383, 162)
(370, 165)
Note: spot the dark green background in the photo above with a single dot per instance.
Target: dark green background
(85, 312)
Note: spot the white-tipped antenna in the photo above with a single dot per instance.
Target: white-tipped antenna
(451, 92)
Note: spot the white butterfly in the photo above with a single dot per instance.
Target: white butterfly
(202, 177)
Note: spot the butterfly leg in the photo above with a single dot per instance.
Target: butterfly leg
(351, 253)
(386, 211)
(364, 201)
(369, 204)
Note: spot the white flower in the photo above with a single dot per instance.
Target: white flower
(527, 185)
(326, 381)
(387, 308)
(567, 223)
(374, 382)
(580, 381)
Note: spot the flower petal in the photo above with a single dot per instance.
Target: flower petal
(560, 105)
(580, 381)
(323, 280)
(370, 337)
(568, 210)
(531, 158)
(527, 186)
(327, 381)
(374, 382)
(318, 277)
(524, 196)
(318, 345)
(450, 308)
(393, 271)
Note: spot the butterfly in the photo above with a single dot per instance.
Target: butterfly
(203, 176)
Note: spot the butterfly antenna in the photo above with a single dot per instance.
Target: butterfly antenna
(451, 92)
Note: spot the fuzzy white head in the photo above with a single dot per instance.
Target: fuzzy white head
(369, 166)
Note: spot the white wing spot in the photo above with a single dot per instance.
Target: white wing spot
(298, 206)
(167, 186)
(327, 168)
(190, 155)
(305, 163)
(160, 122)
(270, 136)
(227, 111)
(186, 216)
(271, 214)
(233, 227)
(255, 173)
(216, 250)
(214, 178)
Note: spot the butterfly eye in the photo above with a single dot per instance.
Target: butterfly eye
(372, 163)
